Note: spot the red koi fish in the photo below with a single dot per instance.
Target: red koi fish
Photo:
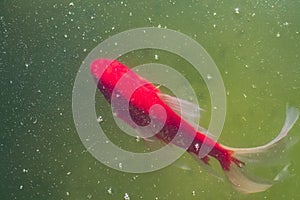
(232, 160)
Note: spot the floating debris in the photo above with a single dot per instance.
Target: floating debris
(193, 193)
(109, 191)
(126, 196)
(244, 118)
(120, 166)
(278, 35)
(35, 121)
(208, 76)
(237, 11)
(156, 57)
(285, 23)
(138, 138)
(196, 146)
(100, 119)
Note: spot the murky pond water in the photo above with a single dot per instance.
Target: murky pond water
(43, 43)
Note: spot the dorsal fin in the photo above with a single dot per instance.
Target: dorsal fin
(189, 111)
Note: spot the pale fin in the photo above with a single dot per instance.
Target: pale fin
(188, 111)
(206, 167)
(182, 164)
(237, 174)
(283, 174)
(241, 181)
(275, 148)
(183, 167)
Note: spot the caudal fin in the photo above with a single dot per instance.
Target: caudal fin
(272, 151)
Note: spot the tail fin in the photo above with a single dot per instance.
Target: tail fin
(272, 151)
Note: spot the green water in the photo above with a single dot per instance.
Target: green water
(43, 43)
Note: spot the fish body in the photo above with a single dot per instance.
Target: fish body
(148, 106)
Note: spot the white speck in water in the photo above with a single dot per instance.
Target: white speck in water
(196, 146)
(26, 65)
(71, 4)
(137, 138)
(35, 121)
(113, 28)
(66, 36)
(21, 187)
(25, 170)
(278, 35)
(245, 95)
(100, 119)
(159, 26)
(285, 24)
(246, 66)
(215, 14)
(156, 57)
(193, 193)
(109, 191)
(67, 193)
(130, 14)
(214, 25)
(253, 86)
(209, 76)
(237, 11)
(116, 44)
(126, 196)
(68, 173)
(120, 166)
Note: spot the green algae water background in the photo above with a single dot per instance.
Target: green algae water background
(255, 45)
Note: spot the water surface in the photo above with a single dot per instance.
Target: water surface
(254, 44)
